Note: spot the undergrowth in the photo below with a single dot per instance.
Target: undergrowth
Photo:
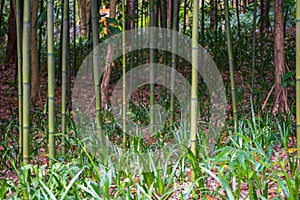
(256, 162)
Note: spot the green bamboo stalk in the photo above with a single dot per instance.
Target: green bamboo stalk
(163, 13)
(238, 51)
(238, 17)
(231, 65)
(216, 23)
(19, 57)
(163, 24)
(174, 59)
(152, 74)
(65, 63)
(94, 13)
(298, 80)
(194, 87)
(202, 22)
(142, 14)
(261, 37)
(253, 48)
(26, 81)
(184, 16)
(74, 37)
(1, 12)
(124, 75)
(51, 79)
(40, 34)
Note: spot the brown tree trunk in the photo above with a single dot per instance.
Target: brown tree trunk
(35, 74)
(11, 48)
(113, 7)
(84, 15)
(130, 14)
(280, 104)
(169, 13)
(110, 51)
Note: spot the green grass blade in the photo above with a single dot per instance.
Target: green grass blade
(71, 184)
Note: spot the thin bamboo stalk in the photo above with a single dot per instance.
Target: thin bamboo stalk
(163, 24)
(184, 16)
(26, 81)
(253, 47)
(74, 37)
(40, 34)
(51, 79)
(1, 11)
(238, 17)
(19, 57)
(298, 80)
(152, 74)
(174, 59)
(124, 75)
(202, 22)
(94, 10)
(261, 37)
(194, 87)
(65, 63)
(231, 64)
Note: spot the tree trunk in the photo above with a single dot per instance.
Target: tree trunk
(110, 51)
(130, 14)
(279, 61)
(35, 85)
(84, 14)
(11, 48)
(169, 13)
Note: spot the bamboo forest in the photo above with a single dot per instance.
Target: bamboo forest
(150, 99)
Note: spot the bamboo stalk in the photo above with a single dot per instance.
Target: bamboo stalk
(253, 48)
(51, 79)
(124, 75)
(163, 24)
(19, 57)
(298, 80)
(184, 16)
(174, 59)
(74, 37)
(231, 64)
(194, 87)
(152, 74)
(94, 10)
(65, 63)
(26, 81)
(202, 21)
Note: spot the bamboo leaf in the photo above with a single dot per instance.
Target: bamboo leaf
(71, 184)
(52, 196)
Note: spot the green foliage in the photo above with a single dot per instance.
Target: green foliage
(246, 157)
(288, 79)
